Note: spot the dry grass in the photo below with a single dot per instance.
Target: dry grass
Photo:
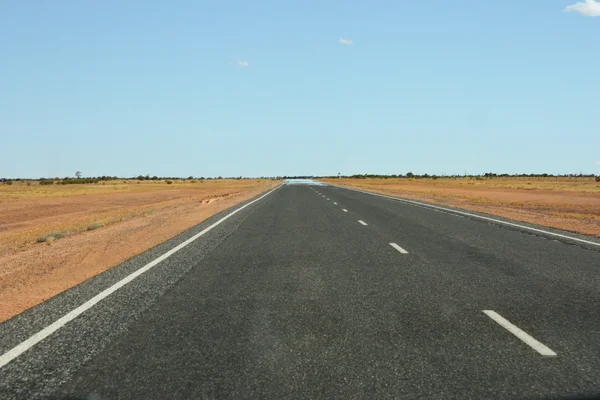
(571, 204)
(22, 190)
(31, 212)
(581, 185)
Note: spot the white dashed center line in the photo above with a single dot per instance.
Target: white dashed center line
(335, 203)
(400, 249)
(518, 332)
(344, 210)
(362, 222)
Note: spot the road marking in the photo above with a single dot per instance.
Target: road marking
(344, 210)
(59, 323)
(400, 249)
(362, 222)
(450, 211)
(518, 332)
(327, 199)
(335, 203)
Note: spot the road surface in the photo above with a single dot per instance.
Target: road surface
(322, 292)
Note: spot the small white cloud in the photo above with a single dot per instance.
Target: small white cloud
(243, 63)
(587, 8)
(598, 162)
(345, 41)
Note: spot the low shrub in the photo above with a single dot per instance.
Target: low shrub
(46, 182)
(51, 236)
(169, 182)
(598, 178)
(93, 227)
(80, 181)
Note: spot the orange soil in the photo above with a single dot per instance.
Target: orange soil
(30, 272)
(574, 208)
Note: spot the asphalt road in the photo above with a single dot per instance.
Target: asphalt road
(322, 292)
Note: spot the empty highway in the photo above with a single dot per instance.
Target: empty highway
(315, 291)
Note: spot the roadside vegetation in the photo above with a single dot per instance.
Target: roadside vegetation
(567, 202)
(47, 210)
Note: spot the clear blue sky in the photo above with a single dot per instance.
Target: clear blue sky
(178, 88)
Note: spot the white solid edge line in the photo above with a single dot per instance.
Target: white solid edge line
(400, 249)
(59, 323)
(518, 332)
(344, 210)
(476, 216)
(362, 222)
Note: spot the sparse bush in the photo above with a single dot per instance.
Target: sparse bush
(598, 178)
(51, 236)
(28, 183)
(169, 182)
(80, 181)
(93, 226)
(9, 182)
(46, 182)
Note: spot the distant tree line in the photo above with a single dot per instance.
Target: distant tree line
(487, 175)
(408, 175)
(104, 178)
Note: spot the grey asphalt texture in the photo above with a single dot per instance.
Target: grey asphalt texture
(293, 298)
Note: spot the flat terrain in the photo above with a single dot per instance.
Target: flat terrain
(89, 228)
(321, 292)
(571, 204)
